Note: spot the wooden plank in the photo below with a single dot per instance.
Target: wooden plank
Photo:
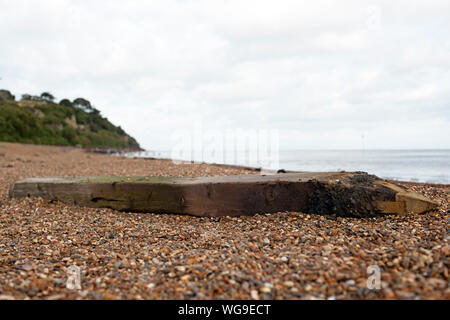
(340, 193)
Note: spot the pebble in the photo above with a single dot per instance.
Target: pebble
(265, 290)
(350, 282)
(27, 267)
(181, 268)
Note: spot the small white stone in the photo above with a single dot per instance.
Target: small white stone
(181, 268)
(268, 285)
(350, 282)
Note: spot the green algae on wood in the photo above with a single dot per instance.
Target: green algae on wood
(154, 179)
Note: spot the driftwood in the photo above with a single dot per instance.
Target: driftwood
(339, 193)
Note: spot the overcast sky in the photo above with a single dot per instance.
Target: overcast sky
(324, 73)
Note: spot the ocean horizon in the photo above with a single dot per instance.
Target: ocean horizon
(420, 165)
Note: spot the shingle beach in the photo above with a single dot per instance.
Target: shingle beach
(287, 255)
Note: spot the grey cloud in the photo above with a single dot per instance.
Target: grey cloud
(321, 72)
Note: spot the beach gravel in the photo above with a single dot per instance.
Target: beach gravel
(287, 255)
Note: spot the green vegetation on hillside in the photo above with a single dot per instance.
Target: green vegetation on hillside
(39, 120)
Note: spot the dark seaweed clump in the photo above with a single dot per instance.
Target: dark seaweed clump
(344, 199)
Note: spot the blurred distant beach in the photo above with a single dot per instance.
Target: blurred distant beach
(432, 166)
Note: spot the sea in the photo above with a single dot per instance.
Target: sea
(431, 166)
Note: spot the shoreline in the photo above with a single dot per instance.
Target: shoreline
(127, 153)
(270, 171)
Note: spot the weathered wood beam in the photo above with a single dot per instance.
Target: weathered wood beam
(340, 193)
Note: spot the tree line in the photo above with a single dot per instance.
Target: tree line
(80, 103)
